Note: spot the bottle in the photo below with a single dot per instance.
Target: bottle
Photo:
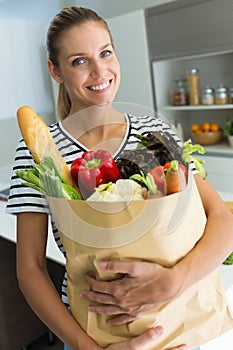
(207, 96)
(194, 80)
(221, 95)
(179, 93)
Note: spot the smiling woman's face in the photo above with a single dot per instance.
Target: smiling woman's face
(88, 66)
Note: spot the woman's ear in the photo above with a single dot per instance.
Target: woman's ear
(55, 72)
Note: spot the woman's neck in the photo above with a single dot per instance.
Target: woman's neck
(98, 127)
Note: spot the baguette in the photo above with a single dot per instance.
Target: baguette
(39, 140)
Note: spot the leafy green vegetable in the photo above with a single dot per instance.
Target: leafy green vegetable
(147, 180)
(187, 150)
(228, 128)
(46, 178)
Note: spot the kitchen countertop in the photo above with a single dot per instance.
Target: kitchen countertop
(8, 231)
(8, 222)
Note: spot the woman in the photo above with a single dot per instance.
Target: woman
(83, 61)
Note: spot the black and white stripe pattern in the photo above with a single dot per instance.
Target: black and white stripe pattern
(24, 199)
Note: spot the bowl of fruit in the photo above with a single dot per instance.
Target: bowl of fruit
(206, 133)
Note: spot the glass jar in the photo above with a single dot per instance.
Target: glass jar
(221, 95)
(179, 93)
(207, 97)
(231, 95)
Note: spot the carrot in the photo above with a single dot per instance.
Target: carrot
(175, 178)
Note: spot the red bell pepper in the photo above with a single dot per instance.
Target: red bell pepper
(93, 169)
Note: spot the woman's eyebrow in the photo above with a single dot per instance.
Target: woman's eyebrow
(83, 53)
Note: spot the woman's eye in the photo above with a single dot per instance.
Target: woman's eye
(106, 53)
(78, 62)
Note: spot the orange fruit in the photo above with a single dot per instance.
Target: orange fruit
(214, 127)
(195, 127)
(205, 126)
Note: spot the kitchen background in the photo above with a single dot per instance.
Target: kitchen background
(157, 42)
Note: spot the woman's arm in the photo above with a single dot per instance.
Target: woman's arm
(217, 241)
(146, 286)
(37, 286)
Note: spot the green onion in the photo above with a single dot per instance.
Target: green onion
(69, 192)
(46, 178)
(147, 180)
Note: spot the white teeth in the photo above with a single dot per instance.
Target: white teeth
(100, 87)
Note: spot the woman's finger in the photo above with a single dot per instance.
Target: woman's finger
(180, 347)
(138, 342)
(100, 298)
(107, 310)
(129, 268)
(99, 286)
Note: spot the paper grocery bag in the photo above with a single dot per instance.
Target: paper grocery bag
(162, 230)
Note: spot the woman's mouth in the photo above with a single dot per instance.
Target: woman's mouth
(100, 87)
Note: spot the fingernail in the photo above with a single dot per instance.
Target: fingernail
(103, 264)
(159, 330)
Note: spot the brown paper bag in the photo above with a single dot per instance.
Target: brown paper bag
(162, 230)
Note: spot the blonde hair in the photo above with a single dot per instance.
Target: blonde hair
(63, 21)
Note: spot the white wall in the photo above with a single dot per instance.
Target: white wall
(42, 10)
(23, 68)
(111, 8)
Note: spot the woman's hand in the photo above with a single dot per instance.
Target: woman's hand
(136, 343)
(144, 287)
(142, 340)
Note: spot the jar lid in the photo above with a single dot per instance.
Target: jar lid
(221, 88)
(180, 81)
(208, 90)
(194, 71)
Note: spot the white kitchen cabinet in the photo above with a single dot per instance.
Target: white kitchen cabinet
(219, 172)
(161, 44)
(130, 38)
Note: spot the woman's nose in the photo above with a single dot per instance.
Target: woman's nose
(97, 68)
